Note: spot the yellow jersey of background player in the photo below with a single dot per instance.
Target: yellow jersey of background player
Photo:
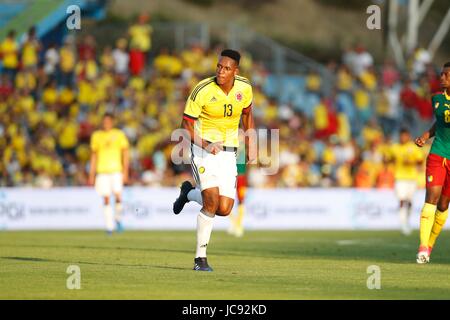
(109, 168)
(407, 159)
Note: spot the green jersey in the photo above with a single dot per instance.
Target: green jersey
(441, 107)
(241, 165)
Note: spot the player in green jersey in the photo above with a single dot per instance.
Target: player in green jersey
(236, 226)
(435, 210)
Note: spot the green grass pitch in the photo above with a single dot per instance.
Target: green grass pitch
(261, 265)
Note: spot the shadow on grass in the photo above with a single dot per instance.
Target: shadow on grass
(379, 248)
(327, 252)
(104, 248)
(31, 259)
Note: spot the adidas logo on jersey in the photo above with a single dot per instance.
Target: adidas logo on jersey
(213, 99)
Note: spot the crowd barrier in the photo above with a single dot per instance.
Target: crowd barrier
(151, 208)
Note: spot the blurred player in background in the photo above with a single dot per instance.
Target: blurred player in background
(236, 220)
(435, 210)
(211, 117)
(109, 169)
(407, 159)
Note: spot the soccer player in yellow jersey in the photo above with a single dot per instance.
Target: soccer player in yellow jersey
(407, 159)
(212, 115)
(109, 168)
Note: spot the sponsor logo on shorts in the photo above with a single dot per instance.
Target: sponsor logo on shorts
(430, 178)
(436, 105)
(201, 169)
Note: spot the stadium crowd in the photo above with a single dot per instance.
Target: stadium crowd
(52, 98)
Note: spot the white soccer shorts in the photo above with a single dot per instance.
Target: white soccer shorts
(405, 189)
(107, 183)
(215, 170)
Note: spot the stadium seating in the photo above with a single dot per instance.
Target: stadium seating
(49, 109)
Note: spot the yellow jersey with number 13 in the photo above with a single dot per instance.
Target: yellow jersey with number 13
(216, 114)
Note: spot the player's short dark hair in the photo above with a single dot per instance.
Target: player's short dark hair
(108, 115)
(447, 65)
(404, 130)
(233, 54)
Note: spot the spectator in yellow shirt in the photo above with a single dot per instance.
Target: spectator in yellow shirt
(140, 34)
(68, 136)
(107, 59)
(66, 64)
(140, 44)
(87, 68)
(30, 50)
(50, 94)
(9, 51)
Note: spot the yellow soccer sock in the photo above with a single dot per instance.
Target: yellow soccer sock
(439, 221)
(426, 223)
(240, 216)
(233, 218)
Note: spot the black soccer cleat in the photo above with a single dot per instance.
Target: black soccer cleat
(182, 199)
(201, 264)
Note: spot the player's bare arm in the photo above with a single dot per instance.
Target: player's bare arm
(126, 164)
(92, 168)
(250, 144)
(213, 148)
(420, 141)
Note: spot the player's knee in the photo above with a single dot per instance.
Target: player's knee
(224, 210)
(443, 204)
(106, 201)
(432, 198)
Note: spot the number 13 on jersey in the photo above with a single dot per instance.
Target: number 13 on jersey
(228, 111)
